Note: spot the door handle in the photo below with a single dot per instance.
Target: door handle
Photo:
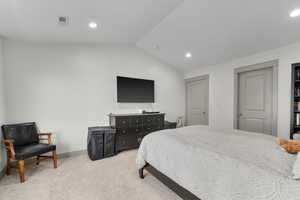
(241, 114)
(204, 113)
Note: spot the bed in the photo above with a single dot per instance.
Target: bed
(198, 162)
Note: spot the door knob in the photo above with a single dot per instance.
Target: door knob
(204, 113)
(241, 114)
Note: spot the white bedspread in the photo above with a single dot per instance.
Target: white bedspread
(222, 164)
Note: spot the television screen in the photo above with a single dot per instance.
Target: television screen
(133, 90)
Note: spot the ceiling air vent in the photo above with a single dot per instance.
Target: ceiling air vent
(63, 20)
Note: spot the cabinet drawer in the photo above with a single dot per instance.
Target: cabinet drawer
(123, 122)
(137, 130)
(147, 129)
(136, 122)
(157, 120)
(126, 142)
(129, 131)
(147, 121)
(158, 125)
(122, 131)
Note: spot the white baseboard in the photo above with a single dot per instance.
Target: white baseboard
(72, 153)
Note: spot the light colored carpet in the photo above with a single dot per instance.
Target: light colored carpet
(76, 178)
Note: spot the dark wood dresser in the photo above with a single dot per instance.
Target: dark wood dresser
(131, 128)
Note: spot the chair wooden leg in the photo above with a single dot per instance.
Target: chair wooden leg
(22, 170)
(54, 158)
(37, 160)
(8, 166)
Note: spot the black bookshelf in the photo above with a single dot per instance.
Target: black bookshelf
(295, 100)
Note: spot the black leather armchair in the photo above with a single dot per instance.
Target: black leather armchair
(22, 142)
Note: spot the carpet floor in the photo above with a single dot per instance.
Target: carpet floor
(76, 178)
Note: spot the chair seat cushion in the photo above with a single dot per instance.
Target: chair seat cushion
(27, 151)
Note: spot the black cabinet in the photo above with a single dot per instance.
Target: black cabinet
(101, 142)
(109, 143)
(131, 128)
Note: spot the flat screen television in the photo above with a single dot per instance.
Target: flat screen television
(133, 90)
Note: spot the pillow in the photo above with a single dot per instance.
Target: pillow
(296, 168)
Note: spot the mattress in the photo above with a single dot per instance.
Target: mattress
(219, 164)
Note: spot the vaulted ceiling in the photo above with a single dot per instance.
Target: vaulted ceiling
(120, 21)
(213, 31)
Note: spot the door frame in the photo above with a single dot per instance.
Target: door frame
(189, 80)
(269, 64)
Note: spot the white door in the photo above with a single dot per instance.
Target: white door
(197, 102)
(256, 101)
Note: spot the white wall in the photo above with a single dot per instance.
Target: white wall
(66, 87)
(222, 86)
(2, 107)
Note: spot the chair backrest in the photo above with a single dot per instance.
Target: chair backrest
(22, 134)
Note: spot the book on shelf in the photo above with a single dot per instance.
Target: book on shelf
(297, 106)
(298, 75)
(297, 120)
(297, 91)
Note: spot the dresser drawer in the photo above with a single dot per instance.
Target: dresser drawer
(123, 131)
(137, 130)
(147, 129)
(136, 122)
(158, 125)
(122, 122)
(157, 120)
(147, 121)
(129, 131)
(126, 142)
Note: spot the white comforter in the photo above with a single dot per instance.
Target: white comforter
(222, 164)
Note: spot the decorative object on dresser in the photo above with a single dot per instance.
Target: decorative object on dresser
(101, 142)
(131, 128)
(295, 101)
(180, 122)
(22, 141)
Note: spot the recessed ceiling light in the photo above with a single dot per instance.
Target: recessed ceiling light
(295, 13)
(188, 55)
(93, 25)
